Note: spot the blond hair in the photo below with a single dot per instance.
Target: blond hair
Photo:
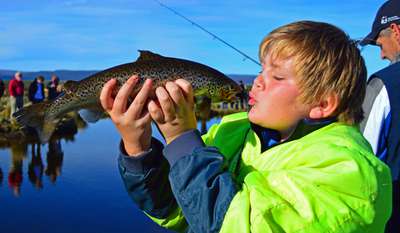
(326, 61)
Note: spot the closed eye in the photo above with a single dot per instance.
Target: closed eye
(278, 78)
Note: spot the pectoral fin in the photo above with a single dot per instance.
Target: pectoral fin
(46, 130)
(92, 115)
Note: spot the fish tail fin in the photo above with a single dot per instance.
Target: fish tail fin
(34, 116)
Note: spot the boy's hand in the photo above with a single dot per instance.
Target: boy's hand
(175, 113)
(133, 122)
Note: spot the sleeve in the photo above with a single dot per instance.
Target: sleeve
(200, 182)
(310, 192)
(30, 92)
(375, 126)
(11, 87)
(146, 181)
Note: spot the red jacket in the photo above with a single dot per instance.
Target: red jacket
(16, 88)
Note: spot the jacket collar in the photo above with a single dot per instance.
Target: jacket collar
(270, 138)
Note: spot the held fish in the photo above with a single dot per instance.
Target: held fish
(83, 95)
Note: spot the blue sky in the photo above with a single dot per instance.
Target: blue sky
(97, 34)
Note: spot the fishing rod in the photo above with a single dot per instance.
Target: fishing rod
(210, 33)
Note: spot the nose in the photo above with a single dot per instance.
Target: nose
(257, 82)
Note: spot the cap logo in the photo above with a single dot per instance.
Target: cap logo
(384, 20)
(393, 18)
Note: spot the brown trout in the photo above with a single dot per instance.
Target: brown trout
(84, 94)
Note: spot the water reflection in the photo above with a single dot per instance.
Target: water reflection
(55, 157)
(35, 168)
(20, 140)
(18, 153)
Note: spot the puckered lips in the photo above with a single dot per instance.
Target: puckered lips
(252, 100)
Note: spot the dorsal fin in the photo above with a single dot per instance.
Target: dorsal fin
(70, 85)
(146, 55)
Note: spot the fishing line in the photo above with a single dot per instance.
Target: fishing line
(210, 33)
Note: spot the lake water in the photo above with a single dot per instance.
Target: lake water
(80, 189)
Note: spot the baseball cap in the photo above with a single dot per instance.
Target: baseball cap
(387, 14)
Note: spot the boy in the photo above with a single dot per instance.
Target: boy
(296, 162)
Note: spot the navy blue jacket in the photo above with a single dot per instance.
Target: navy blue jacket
(391, 78)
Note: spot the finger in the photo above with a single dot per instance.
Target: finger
(121, 99)
(106, 99)
(140, 100)
(145, 119)
(155, 112)
(175, 93)
(186, 88)
(166, 104)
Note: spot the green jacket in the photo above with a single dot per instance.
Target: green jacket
(326, 181)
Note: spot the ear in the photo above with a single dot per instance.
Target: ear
(396, 31)
(325, 108)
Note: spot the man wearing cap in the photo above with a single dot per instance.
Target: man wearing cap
(381, 125)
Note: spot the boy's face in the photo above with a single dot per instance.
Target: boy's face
(274, 97)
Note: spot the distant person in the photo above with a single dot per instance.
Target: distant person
(16, 91)
(55, 157)
(35, 167)
(381, 127)
(241, 85)
(53, 87)
(36, 90)
(2, 87)
(243, 93)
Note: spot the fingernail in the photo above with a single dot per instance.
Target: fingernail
(131, 80)
(159, 91)
(110, 81)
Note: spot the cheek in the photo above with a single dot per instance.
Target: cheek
(262, 111)
(271, 107)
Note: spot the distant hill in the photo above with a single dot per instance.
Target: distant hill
(62, 74)
(80, 74)
(246, 78)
